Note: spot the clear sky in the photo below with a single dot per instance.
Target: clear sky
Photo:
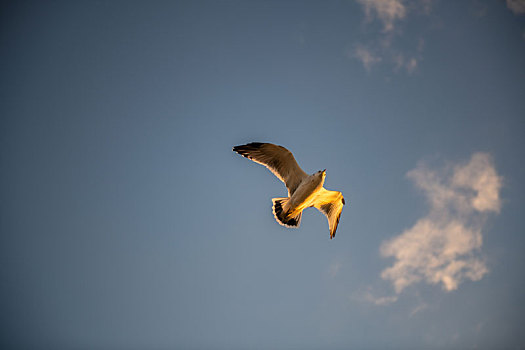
(127, 222)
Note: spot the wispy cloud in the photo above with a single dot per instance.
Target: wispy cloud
(419, 308)
(444, 246)
(369, 297)
(366, 57)
(516, 6)
(388, 11)
(334, 268)
(409, 64)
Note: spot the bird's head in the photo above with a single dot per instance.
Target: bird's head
(321, 173)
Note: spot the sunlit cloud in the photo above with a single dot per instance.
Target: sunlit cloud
(366, 57)
(388, 11)
(380, 301)
(443, 248)
(369, 297)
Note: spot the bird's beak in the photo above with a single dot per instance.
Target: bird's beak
(324, 171)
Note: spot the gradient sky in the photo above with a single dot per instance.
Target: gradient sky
(128, 223)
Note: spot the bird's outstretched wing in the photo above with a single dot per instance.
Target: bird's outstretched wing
(278, 159)
(330, 203)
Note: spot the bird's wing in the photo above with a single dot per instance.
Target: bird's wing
(277, 159)
(330, 203)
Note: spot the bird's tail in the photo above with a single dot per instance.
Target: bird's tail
(281, 214)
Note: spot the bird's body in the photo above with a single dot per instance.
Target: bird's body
(306, 193)
(304, 190)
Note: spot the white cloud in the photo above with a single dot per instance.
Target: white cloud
(366, 57)
(444, 246)
(516, 6)
(388, 11)
(480, 176)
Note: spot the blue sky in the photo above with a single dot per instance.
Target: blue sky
(127, 221)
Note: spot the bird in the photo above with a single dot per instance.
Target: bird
(304, 191)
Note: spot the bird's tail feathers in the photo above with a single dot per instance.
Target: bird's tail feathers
(280, 213)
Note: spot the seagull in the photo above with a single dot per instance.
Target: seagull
(304, 191)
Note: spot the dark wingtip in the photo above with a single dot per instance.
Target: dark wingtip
(255, 144)
(243, 150)
(238, 149)
(343, 201)
(251, 145)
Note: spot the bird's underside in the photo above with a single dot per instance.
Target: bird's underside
(304, 190)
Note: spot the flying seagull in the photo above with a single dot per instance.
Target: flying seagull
(304, 191)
